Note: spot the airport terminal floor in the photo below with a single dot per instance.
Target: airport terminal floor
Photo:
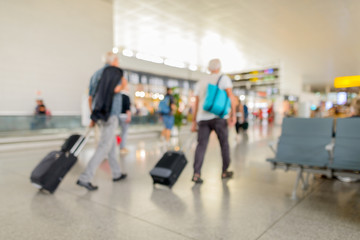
(255, 204)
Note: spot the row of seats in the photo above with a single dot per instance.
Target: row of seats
(308, 145)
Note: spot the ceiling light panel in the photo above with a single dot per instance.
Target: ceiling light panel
(261, 31)
(170, 29)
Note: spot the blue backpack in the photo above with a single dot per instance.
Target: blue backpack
(246, 112)
(164, 106)
(216, 100)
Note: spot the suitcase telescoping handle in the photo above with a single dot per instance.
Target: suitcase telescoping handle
(80, 143)
(190, 142)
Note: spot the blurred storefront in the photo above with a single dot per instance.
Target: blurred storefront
(259, 90)
(147, 90)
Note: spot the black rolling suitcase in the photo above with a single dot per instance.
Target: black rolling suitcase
(169, 168)
(48, 174)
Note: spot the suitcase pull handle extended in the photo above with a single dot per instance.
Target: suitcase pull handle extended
(80, 143)
(189, 143)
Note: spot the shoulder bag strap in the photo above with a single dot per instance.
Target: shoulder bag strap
(217, 89)
(218, 81)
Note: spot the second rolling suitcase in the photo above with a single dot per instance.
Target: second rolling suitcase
(169, 168)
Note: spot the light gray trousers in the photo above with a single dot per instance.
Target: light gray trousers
(124, 130)
(106, 148)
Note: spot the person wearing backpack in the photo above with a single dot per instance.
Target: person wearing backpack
(166, 109)
(205, 122)
(105, 103)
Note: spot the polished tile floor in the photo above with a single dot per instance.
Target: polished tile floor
(255, 204)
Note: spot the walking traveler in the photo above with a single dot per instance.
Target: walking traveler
(105, 103)
(166, 109)
(355, 107)
(239, 117)
(207, 121)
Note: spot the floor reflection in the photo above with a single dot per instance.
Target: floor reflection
(255, 201)
(166, 200)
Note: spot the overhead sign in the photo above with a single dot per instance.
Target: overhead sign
(346, 82)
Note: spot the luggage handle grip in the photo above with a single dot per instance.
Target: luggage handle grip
(80, 143)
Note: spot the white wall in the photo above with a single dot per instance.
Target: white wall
(291, 82)
(52, 46)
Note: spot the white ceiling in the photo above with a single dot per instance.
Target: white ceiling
(316, 38)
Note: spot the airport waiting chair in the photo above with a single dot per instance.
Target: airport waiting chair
(301, 147)
(346, 151)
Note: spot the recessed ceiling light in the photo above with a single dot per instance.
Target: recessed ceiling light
(128, 53)
(174, 63)
(115, 50)
(193, 67)
(150, 58)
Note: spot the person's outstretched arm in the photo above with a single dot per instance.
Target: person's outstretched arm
(232, 117)
(121, 86)
(196, 107)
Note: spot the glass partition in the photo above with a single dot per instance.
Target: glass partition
(22, 124)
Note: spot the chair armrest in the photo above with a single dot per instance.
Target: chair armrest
(330, 149)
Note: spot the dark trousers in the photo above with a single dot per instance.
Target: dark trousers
(205, 128)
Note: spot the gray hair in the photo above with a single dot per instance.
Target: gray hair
(214, 65)
(109, 57)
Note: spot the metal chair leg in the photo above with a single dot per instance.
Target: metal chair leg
(298, 178)
(306, 182)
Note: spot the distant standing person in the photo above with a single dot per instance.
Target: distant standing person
(355, 107)
(107, 145)
(41, 108)
(239, 117)
(207, 122)
(125, 119)
(166, 109)
(246, 112)
(271, 114)
(41, 115)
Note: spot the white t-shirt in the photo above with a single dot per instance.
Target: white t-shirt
(200, 91)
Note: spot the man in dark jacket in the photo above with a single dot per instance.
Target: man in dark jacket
(108, 125)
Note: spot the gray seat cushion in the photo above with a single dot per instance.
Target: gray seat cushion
(303, 142)
(347, 144)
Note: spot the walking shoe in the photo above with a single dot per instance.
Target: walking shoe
(122, 176)
(197, 179)
(227, 174)
(87, 185)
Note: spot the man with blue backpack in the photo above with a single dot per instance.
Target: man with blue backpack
(166, 109)
(214, 111)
